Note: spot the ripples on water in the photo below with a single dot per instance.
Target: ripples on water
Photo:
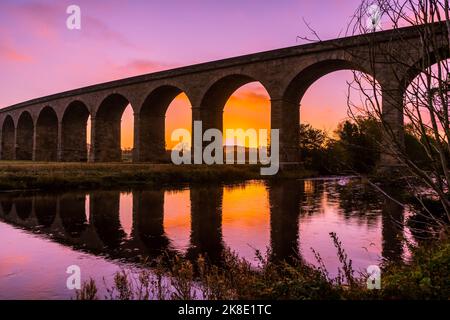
(102, 231)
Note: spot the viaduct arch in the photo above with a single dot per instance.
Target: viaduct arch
(8, 139)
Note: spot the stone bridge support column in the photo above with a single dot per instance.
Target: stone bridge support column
(35, 151)
(14, 151)
(107, 129)
(1, 145)
(7, 138)
(59, 151)
(393, 126)
(149, 135)
(137, 138)
(92, 144)
(285, 116)
(211, 118)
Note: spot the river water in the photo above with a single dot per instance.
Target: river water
(103, 231)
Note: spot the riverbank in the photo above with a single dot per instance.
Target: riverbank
(22, 175)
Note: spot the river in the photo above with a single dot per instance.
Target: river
(103, 231)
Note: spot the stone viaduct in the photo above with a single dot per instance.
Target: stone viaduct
(53, 128)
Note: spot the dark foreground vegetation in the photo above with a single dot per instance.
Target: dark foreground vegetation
(424, 276)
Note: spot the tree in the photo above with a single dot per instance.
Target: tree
(358, 140)
(423, 86)
(311, 138)
(312, 147)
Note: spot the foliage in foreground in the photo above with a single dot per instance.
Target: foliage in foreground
(426, 276)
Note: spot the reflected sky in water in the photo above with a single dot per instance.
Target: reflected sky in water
(102, 231)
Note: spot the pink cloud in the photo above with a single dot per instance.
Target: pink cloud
(11, 54)
(47, 21)
(253, 94)
(39, 18)
(97, 29)
(140, 66)
(132, 68)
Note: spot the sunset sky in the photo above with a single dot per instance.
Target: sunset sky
(118, 39)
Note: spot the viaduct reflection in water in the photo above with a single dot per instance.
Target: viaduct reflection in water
(285, 200)
(92, 221)
(148, 221)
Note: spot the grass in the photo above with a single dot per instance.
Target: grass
(17, 175)
(425, 276)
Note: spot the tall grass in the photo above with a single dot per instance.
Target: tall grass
(426, 276)
(35, 175)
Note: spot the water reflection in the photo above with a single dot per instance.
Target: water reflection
(148, 221)
(104, 216)
(288, 217)
(206, 223)
(6, 206)
(392, 230)
(23, 207)
(285, 199)
(73, 214)
(45, 209)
